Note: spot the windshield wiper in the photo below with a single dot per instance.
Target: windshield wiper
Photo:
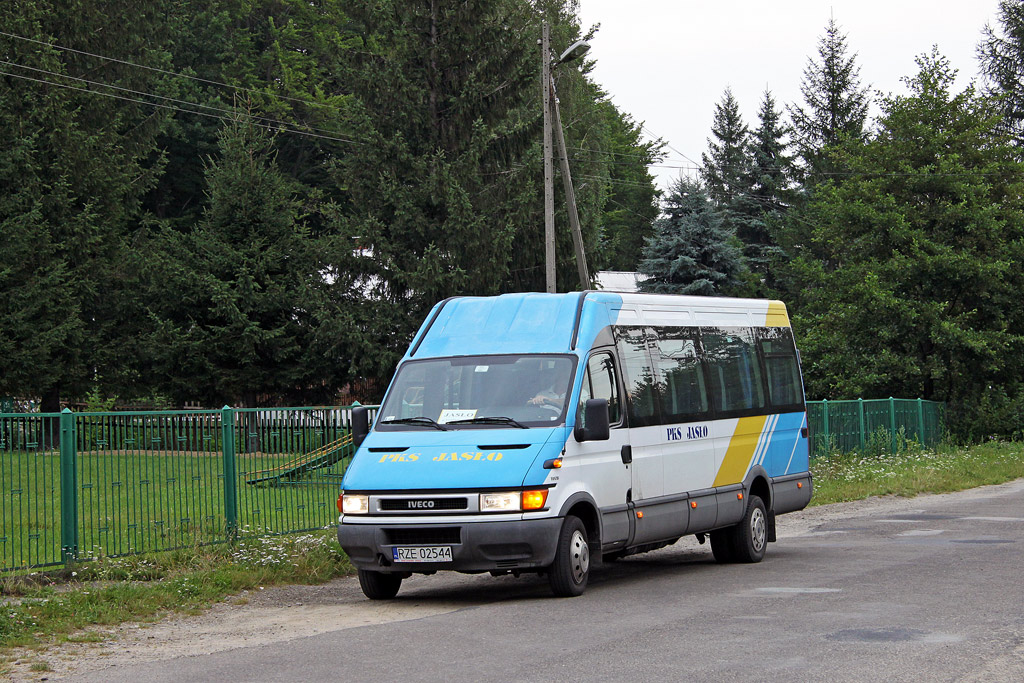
(492, 420)
(424, 421)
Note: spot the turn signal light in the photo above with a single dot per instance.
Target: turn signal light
(799, 484)
(534, 500)
(639, 514)
(739, 496)
(340, 508)
(693, 503)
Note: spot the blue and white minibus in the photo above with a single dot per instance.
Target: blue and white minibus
(549, 432)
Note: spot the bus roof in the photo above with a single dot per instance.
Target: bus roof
(551, 323)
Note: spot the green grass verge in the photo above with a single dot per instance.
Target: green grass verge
(42, 608)
(846, 477)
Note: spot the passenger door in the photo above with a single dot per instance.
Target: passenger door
(600, 463)
(646, 434)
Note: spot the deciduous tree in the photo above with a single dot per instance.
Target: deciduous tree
(911, 271)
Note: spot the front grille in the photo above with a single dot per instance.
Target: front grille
(423, 504)
(425, 536)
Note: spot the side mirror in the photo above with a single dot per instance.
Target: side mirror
(360, 424)
(595, 421)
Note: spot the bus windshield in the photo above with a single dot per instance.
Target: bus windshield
(479, 391)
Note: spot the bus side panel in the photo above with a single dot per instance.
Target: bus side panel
(787, 452)
(703, 511)
(660, 519)
(792, 492)
(731, 505)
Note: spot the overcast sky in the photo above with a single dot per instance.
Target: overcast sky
(667, 62)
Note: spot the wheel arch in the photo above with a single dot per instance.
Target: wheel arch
(583, 506)
(758, 483)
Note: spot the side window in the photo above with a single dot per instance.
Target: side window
(639, 379)
(735, 373)
(783, 372)
(599, 382)
(681, 382)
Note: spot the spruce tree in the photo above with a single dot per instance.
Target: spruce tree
(692, 250)
(726, 163)
(444, 94)
(835, 104)
(250, 282)
(74, 167)
(1001, 53)
(769, 191)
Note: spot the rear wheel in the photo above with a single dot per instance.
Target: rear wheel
(722, 545)
(569, 573)
(378, 585)
(750, 536)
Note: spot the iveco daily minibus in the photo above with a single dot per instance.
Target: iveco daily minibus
(547, 432)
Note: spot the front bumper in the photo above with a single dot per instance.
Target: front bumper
(476, 546)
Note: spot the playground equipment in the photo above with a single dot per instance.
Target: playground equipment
(291, 471)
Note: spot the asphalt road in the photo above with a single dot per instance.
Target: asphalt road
(927, 589)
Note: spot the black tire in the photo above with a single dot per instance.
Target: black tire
(378, 585)
(750, 536)
(722, 545)
(570, 571)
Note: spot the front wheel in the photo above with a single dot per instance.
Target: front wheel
(378, 585)
(569, 573)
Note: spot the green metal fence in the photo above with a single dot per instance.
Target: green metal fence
(865, 424)
(84, 485)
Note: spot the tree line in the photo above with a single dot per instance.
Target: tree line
(896, 241)
(257, 201)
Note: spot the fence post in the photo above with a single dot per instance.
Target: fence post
(920, 421)
(227, 444)
(892, 422)
(824, 420)
(863, 426)
(68, 488)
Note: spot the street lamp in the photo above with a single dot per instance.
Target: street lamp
(575, 51)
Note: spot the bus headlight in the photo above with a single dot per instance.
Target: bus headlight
(499, 502)
(354, 504)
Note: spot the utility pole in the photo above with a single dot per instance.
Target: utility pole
(549, 190)
(570, 197)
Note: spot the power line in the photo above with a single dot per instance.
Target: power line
(232, 112)
(178, 109)
(165, 71)
(658, 137)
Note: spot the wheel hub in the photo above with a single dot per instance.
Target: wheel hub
(580, 554)
(757, 529)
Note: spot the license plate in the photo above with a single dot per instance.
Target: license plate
(422, 553)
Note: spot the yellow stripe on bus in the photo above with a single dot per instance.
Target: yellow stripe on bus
(777, 315)
(741, 450)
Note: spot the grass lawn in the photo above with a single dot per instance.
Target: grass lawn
(150, 501)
